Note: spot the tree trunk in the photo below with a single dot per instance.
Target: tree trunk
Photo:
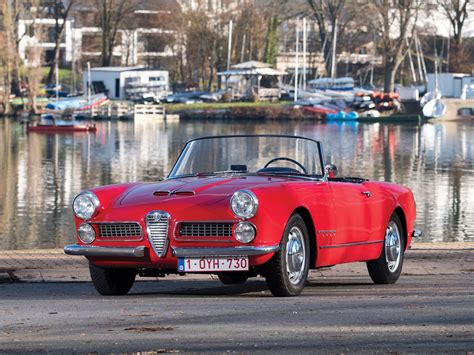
(57, 49)
(389, 76)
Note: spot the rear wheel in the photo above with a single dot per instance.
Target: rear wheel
(233, 278)
(287, 270)
(112, 282)
(388, 267)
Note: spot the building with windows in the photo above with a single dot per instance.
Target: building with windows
(127, 83)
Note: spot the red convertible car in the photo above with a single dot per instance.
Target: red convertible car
(239, 207)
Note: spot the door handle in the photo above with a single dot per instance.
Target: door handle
(366, 193)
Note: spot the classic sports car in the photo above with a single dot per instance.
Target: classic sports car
(242, 206)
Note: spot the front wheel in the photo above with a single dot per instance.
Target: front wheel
(388, 267)
(112, 282)
(287, 270)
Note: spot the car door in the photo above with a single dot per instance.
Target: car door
(352, 209)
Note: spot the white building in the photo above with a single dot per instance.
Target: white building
(453, 84)
(30, 37)
(127, 83)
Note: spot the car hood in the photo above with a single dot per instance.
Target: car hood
(196, 188)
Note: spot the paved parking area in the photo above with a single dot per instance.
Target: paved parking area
(52, 265)
(340, 310)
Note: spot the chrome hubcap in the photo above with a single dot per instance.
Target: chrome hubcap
(295, 255)
(392, 246)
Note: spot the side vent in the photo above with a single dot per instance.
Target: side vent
(184, 193)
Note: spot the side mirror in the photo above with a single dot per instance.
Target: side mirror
(331, 170)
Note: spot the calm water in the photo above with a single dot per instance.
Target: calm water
(40, 174)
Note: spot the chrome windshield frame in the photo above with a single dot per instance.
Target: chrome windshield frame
(187, 145)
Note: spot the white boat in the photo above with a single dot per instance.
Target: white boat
(429, 96)
(434, 109)
(336, 84)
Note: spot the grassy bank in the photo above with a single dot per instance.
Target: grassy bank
(238, 110)
(176, 108)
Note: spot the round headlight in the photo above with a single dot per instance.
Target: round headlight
(85, 205)
(244, 204)
(86, 233)
(244, 232)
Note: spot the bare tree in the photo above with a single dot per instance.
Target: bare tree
(61, 13)
(13, 11)
(6, 55)
(457, 12)
(396, 23)
(327, 12)
(34, 72)
(112, 14)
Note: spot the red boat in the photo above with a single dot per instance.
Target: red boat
(46, 128)
(319, 110)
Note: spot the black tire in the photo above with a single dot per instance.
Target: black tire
(381, 270)
(276, 270)
(112, 282)
(233, 277)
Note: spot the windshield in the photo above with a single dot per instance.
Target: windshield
(259, 154)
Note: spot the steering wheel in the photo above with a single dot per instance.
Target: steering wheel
(287, 159)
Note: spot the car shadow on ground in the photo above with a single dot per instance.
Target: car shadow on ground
(256, 288)
(251, 288)
(203, 288)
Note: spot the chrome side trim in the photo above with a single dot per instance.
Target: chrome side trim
(350, 244)
(88, 250)
(417, 233)
(232, 251)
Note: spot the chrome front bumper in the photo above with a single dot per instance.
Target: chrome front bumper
(88, 250)
(229, 251)
(139, 252)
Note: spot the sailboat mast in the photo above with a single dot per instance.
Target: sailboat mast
(296, 59)
(229, 45)
(304, 53)
(56, 69)
(89, 88)
(333, 60)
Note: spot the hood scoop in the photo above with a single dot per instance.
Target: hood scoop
(171, 193)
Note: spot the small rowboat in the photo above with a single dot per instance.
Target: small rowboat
(47, 128)
(319, 109)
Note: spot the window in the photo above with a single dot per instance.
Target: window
(117, 88)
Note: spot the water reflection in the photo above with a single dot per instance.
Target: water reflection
(41, 173)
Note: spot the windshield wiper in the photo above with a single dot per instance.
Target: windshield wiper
(193, 175)
(281, 173)
(231, 172)
(289, 174)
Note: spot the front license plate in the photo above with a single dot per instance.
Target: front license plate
(205, 264)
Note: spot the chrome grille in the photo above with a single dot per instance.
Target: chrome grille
(187, 229)
(157, 224)
(119, 230)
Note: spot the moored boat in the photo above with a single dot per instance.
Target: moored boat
(52, 128)
(50, 124)
(319, 109)
(343, 116)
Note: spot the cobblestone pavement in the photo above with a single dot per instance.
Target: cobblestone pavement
(52, 265)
